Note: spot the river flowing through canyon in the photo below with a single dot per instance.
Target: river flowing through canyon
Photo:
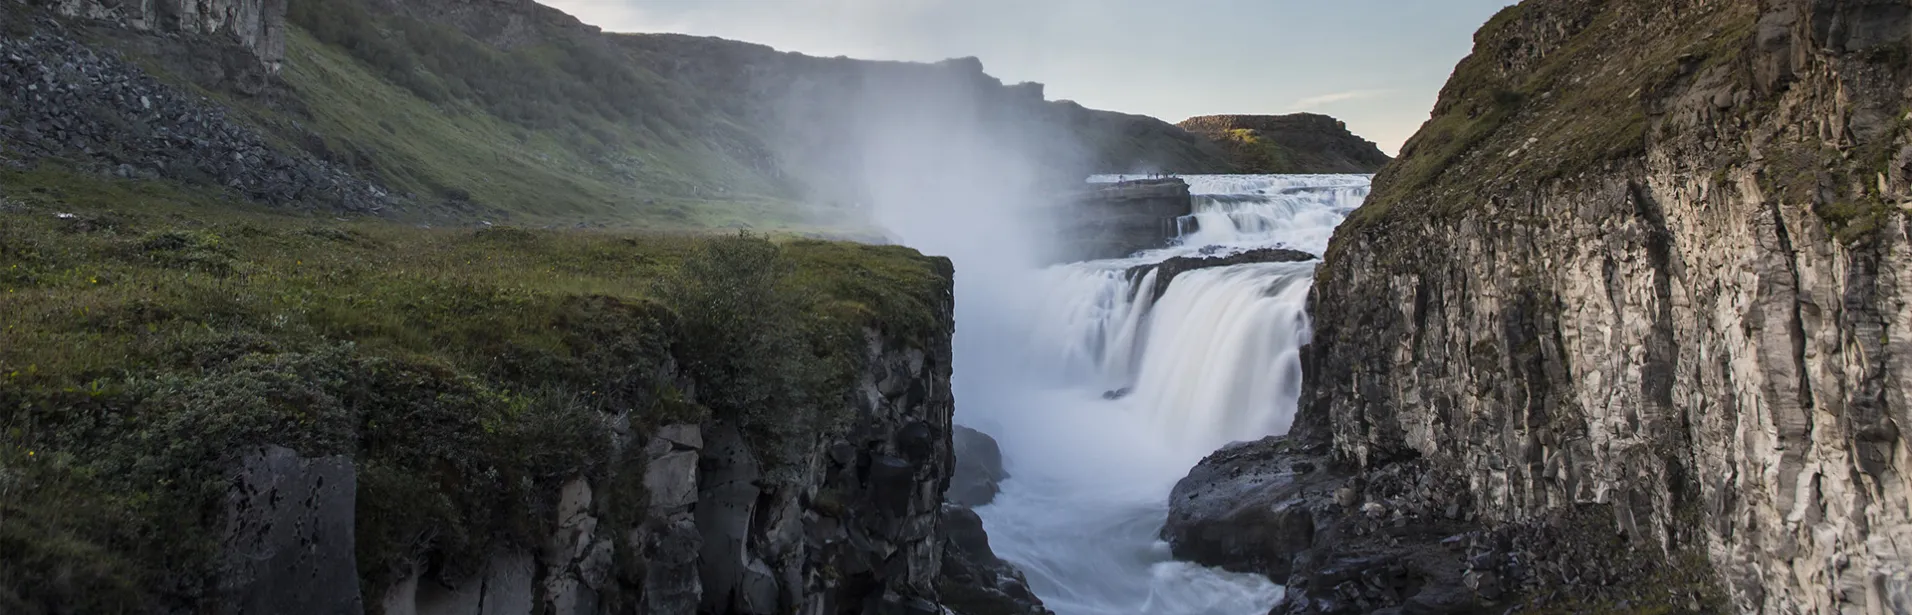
(1103, 395)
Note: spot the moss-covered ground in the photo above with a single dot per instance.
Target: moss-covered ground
(149, 332)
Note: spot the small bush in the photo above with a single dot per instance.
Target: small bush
(742, 340)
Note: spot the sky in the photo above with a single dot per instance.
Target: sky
(1376, 64)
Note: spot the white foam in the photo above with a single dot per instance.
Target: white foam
(1214, 360)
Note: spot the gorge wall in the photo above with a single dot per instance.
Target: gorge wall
(1641, 280)
(767, 430)
(1116, 220)
(856, 528)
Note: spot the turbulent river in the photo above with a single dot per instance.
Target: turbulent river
(1214, 360)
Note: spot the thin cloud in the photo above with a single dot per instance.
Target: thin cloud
(1316, 102)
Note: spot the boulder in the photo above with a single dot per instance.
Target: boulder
(1247, 508)
(1278, 509)
(979, 471)
(975, 581)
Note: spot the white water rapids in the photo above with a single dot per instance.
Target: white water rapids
(1214, 360)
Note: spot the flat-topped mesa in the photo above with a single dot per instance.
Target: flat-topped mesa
(1299, 143)
(1118, 219)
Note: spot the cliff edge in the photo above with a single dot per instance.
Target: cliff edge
(1649, 260)
(1624, 327)
(1299, 143)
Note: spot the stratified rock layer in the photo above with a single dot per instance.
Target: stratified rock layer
(1118, 219)
(1645, 273)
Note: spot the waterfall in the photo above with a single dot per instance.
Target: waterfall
(1104, 395)
(1224, 362)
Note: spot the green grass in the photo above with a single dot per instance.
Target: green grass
(460, 158)
(1257, 154)
(149, 331)
(1575, 109)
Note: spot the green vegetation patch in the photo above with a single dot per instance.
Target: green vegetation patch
(1520, 110)
(1253, 151)
(464, 161)
(150, 333)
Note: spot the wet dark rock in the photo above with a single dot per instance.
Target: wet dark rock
(1166, 271)
(975, 581)
(1243, 509)
(979, 470)
(1118, 219)
(1277, 508)
(288, 545)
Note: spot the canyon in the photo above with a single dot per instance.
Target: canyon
(1621, 329)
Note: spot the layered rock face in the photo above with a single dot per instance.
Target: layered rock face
(698, 519)
(258, 25)
(860, 530)
(1644, 274)
(1289, 144)
(1119, 219)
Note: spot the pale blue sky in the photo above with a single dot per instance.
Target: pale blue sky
(1375, 63)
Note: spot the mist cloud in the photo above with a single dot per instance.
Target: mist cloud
(1167, 59)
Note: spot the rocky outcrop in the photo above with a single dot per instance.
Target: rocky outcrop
(257, 25)
(1166, 271)
(66, 101)
(1118, 219)
(859, 529)
(288, 540)
(974, 580)
(1639, 285)
(979, 472)
(1289, 144)
(1402, 538)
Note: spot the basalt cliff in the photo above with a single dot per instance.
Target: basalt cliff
(1625, 327)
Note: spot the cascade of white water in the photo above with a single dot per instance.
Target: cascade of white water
(1223, 362)
(1104, 395)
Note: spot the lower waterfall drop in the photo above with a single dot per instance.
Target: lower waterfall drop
(1103, 395)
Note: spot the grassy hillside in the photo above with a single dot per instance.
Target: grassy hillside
(1297, 143)
(513, 111)
(149, 331)
(1566, 111)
